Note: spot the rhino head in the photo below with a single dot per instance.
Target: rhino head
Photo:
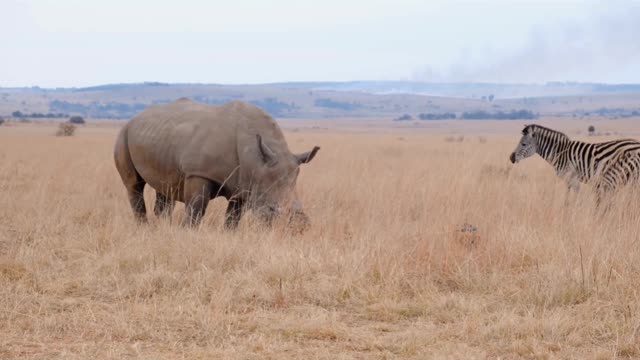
(274, 185)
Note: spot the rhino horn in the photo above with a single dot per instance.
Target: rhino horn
(308, 156)
(268, 156)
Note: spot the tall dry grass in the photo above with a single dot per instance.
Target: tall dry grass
(383, 272)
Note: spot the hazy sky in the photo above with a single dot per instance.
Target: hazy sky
(83, 42)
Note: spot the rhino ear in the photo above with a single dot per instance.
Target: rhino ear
(308, 156)
(268, 156)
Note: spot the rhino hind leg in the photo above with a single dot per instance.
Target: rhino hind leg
(136, 199)
(233, 214)
(164, 205)
(197, 193)
(131, 179)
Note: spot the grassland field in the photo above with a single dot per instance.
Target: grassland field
(385, 271)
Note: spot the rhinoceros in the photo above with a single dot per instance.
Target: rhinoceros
(193, 152)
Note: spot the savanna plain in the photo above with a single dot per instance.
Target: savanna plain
(424, 244)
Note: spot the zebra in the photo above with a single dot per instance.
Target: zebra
(607, 165)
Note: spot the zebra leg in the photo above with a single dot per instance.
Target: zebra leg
(573, 187)
(603, 200)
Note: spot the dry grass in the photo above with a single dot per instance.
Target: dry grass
(389, 269)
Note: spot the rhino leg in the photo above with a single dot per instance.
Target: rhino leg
(136, 199)
(164, 205)
(234, 213)
(197, 193)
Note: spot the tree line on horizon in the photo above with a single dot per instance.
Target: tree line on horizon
(474, 115)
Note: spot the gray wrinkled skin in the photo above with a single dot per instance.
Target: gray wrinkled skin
(192, 152)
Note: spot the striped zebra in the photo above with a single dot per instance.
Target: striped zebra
(606, 165)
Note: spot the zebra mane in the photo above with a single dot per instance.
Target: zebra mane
(539, 129)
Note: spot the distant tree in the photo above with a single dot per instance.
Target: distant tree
(333, 104)
(443, 116)
(500, 115)
(491, 97)
(592, 130)
(1, 120)
(405, 117)
(17, 114)
(78, 120)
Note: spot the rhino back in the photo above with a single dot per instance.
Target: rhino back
(179, 139)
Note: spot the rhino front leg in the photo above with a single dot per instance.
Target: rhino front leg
(164, 205)
(234, 213)
(197, 192)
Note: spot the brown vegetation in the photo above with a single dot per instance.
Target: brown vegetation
(419, 248)
(66, 129)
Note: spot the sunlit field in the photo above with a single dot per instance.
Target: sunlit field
(424, 244)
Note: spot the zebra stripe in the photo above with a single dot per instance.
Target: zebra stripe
(608, 164)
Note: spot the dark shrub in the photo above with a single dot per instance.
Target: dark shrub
(405, 117)
(78, 120)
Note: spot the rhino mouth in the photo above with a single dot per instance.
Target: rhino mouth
(268, 214)
(296, 221)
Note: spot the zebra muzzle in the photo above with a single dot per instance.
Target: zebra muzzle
(513, 158)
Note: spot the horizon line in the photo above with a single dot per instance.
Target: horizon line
(161, 83)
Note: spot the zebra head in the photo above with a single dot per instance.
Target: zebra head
(527, 146)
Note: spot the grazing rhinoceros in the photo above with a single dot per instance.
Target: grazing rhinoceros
(192, 152)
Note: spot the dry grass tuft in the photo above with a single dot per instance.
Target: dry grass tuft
(419, 249)
(66, 129)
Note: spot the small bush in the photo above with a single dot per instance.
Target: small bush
(591, 129)
(444, 116)
(405, 117)
(1, 120)
(78, 120)
(66, 129)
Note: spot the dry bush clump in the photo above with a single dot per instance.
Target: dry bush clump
(467, 235)
(459, 138)
(388, 269)
(66, 129)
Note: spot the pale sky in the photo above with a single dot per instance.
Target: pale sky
(83, 42)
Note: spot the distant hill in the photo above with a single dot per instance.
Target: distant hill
(391, 99)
